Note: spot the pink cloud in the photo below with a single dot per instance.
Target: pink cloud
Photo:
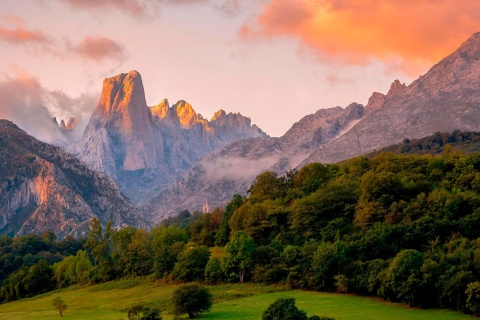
(131, 7)
(99, 48)
(21, 35)
(403, 34)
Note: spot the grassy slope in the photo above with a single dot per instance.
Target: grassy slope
(109, 301)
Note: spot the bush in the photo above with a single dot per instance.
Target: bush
(139, 312)
(191, 299)
(284, 309)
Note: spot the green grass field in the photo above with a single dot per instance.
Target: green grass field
(232, 301)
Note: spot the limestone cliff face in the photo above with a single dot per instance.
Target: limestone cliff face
(119, 136)
(44, 188)
(232, 168)
(145, 148)
(446, 98)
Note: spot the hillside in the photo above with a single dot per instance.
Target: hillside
(44, 188)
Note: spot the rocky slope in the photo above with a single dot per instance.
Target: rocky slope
(445, 99)
(231, 169)
(44, 188)
(145, 148)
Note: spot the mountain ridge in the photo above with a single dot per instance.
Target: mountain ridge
(44, 188)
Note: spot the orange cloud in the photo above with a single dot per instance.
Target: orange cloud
(20, 35)
(100, 48)
(406, 34)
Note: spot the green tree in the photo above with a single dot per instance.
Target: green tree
(60, 305)
(39, 278)
(191, 299)
(266, 186)
(403, 278)
(167, 243)
(239, 256)
(223, 232)
(284, 309)
(191, 263)
(99, 243)
(214, 270)
(139, 254)
(473, 297)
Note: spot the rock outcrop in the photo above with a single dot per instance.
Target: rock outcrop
(145, 148)
(44, 188)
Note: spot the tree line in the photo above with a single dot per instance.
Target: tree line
(401, 227)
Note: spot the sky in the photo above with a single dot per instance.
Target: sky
(274, 61)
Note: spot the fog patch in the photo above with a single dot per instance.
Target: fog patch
(24, 101)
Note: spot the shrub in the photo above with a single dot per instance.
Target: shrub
(191, 299)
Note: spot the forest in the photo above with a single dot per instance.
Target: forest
(404, 228)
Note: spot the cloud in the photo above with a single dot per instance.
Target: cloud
(28, 104)
(403, 34)
(99, 48)
(230, 7)
(18, 34)
(134, 8)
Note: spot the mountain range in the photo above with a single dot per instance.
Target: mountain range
(169, 158)
(145, 148)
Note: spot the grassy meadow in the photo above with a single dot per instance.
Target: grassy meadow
(231, 301)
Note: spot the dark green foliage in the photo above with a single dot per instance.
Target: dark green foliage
(167, 243)
(214, 270)
(191, 263)
(473, 297)
(284, 309)
(223, 232)
(191, 299)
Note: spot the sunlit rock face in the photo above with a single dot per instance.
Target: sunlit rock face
(43, 188)
(119, 136)
(145, 148)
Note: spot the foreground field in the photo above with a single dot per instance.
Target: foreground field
(110, 300)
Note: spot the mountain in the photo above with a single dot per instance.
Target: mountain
(231, 169)
(145, 148)
(44, 188)
(445, 99)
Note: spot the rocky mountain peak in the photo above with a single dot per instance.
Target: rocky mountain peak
(160, 111)
(375, 102)
(395, 88)
(220, 113)
(123, 111)
(187, 115)
(122, 93)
